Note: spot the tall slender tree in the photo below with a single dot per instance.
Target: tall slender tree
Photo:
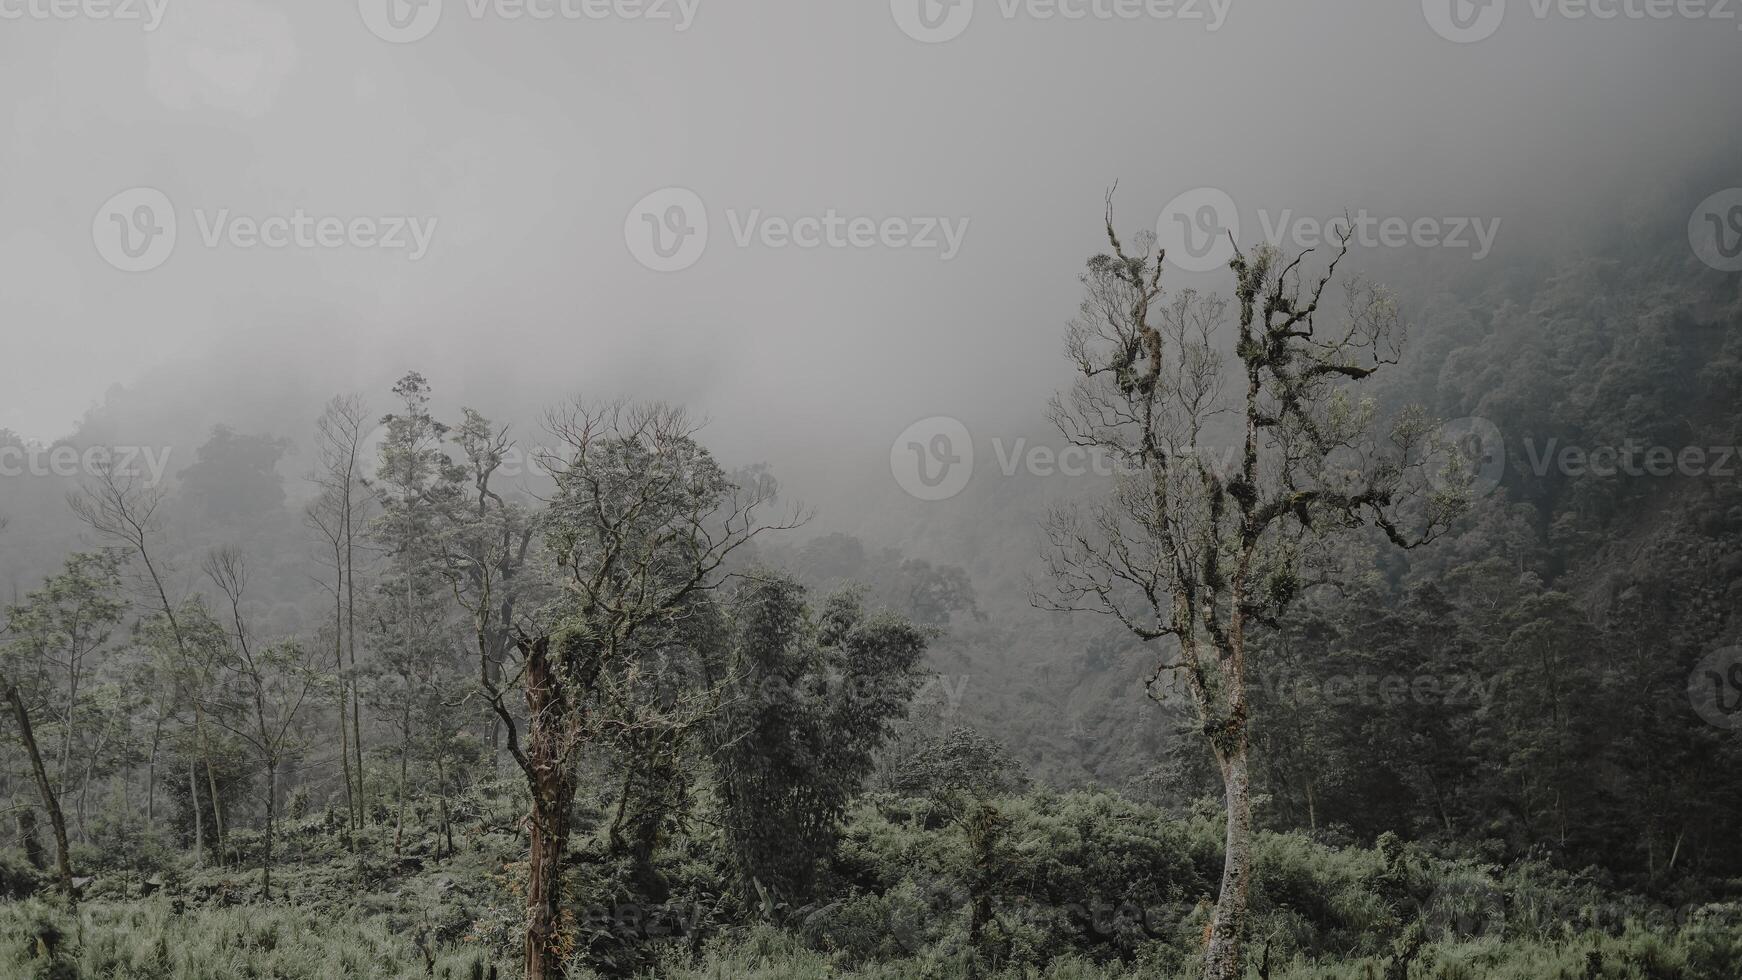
(271, 686)
(337, 514)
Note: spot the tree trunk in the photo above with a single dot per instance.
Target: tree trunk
(550, 776)
(217, 814)
(444, 830)
(151, 776)
(211, 784)
(339, 673)
(271, 818)
(27, 834)
(550, 835)
(351, 650)
(447, 825)
(63, 864)
(1227, 930)
(199, 818)
(404, 777)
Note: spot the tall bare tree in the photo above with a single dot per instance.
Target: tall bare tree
(335, 514)
(1196, 544)
(272, 684)
(121, 506)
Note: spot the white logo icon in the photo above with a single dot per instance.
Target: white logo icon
(1715, 688)
(1198, 229)
(1464, 21)
(400, 21)
(667, 230)
(932, 21)
(134, 231)
(933, 459)
(1467, 451)
(1715, 230)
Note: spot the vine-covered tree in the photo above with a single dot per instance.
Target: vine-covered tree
(642, 521)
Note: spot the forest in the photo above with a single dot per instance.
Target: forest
(464, 701)
(897, 490)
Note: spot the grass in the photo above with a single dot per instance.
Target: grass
(1392, 912)
(148, 939)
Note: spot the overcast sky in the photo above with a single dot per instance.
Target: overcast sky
(522, 148)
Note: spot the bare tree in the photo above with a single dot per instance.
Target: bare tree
(121, 507)
(335, 514)
(274, 685)
(1196, 546)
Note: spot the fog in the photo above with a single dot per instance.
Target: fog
(523, 144)
(1385, 635)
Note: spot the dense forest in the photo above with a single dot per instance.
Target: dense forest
(411, 691)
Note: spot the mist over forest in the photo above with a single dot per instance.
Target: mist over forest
(1089, 490)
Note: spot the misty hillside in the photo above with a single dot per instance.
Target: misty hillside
(1018, 490)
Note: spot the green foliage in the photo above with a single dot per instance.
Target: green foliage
(811, 699)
